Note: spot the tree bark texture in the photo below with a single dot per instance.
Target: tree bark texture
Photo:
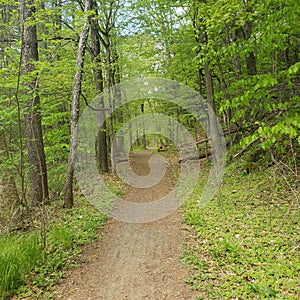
(101, 142)
(33, 126)
(68, 201)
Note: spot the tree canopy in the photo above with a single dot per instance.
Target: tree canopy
(243, 56)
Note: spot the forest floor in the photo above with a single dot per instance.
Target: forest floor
(133, 261)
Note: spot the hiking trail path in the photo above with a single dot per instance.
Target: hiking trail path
(133, 261)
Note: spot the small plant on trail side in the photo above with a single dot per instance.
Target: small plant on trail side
(28, 269)
(18, 256)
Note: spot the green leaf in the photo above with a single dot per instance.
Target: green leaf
(267, 291)
(294, 68)
(254, 287)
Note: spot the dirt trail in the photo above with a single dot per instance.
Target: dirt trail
(133, 261)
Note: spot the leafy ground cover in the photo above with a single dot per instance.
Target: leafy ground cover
(32, 262)
(245, 244)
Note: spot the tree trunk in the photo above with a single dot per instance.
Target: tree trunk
(250, 58)
(105, 37)
(101, 142)
(33, 127)
(209, 87)
(111, 135)
(144, 141)
(213, 129)
(68, 201)
(110, 83)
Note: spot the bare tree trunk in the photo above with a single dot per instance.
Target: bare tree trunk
(68, 201)
(110, 83)
(209, 87)
(111, 135)
(212, 119)
(33, 127)
(144, 141)
(101, 142)
(105, 33)
(213, 129)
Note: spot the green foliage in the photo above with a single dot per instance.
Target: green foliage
(18, 256)
(28, 269)
(254, 60)
(139, 57)
(163, 38)
(71, 230)
(244, 243)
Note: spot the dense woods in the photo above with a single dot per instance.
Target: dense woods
(241, 55)
(56, 56)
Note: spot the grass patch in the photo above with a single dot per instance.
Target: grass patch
(245, 243)
(18, 256)
(27, 269)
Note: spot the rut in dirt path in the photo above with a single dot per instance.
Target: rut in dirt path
(134, 261)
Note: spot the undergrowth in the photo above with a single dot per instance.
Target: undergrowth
(29, 268)
(245, 243)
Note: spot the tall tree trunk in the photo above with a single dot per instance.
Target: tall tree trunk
(213, 129)
(208, 76)
(105, 37)
(68, 201)
(209, 86)
(144, 141)
(33, 127)
(110, 84)
(111, 135)
(101, 142)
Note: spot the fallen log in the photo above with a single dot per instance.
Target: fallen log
(200, 156)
